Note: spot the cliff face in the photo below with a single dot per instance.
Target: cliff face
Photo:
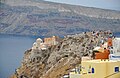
(58, 60)
(41, 18)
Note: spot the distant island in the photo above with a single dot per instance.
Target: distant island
(43, 18)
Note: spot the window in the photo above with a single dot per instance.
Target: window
(116, 69)
(93, 70)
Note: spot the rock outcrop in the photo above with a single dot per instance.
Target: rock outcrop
(59, 59)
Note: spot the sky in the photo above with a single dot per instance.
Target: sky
(105, 4)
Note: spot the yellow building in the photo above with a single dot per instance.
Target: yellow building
(98, 69)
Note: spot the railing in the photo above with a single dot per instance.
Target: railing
(112, 74)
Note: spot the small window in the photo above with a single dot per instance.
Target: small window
(93, 70)
(116, 69)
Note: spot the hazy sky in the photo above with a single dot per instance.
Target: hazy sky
(107, 4)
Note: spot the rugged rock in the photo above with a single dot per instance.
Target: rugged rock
(58, 60)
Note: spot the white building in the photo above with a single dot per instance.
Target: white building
(36, 50)
(115, 55)
(116, 45)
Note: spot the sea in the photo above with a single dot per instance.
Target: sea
(12, 48)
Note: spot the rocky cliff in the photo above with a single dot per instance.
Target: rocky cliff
(58, 60)
(42, 18)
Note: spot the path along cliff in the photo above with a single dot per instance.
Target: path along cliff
(58, 60)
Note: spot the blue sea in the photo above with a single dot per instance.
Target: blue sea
(12, 50)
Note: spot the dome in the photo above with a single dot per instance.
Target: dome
(34, 44)
(39, 40)
(33, 48)
(53, 36)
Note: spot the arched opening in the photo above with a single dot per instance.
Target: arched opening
(116, 69)
(93, 70)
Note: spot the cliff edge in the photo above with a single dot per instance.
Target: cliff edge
(57, 60)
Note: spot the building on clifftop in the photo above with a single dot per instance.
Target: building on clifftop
(54, 40)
